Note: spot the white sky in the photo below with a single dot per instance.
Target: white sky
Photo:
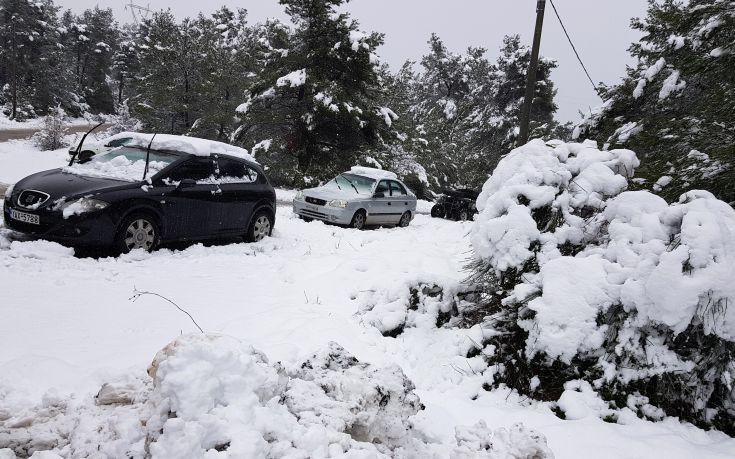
(599, 28)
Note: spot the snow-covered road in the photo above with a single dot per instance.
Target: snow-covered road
(67, 324)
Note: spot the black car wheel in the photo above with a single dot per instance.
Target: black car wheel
(260, 227)
(463, 215)
(358, 220)
(405, 220)
(137, 231)
(437, 211)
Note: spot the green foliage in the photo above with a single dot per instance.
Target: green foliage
(676, 107)
(315, 100)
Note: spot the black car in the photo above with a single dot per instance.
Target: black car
(185, 197)
(456, 204)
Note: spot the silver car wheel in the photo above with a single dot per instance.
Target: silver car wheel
(140, 234)
(262, 228)
(405, 220)
(358, 221)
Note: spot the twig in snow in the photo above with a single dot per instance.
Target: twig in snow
(137, 294)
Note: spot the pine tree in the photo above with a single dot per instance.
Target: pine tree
(27, 38)
(676, 107)
(226, 61)
(315, 102)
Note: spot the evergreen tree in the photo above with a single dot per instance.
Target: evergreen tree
(676, 107)
(27, 37)
(315, 102)
(90, 40)
(226, 63)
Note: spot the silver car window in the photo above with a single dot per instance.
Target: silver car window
(383, 187)
(397, 189)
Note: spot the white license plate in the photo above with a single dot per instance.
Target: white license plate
(308, 207)
(24, 217)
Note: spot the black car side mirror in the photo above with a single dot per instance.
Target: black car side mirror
(186, 183)
(85, 156)
(379, 194)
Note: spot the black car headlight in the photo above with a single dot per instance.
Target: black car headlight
(81, 206)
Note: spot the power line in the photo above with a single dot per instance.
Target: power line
(597, 91)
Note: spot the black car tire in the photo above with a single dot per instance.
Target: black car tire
(437, 211)
(463, 215)
(137, 230)
(405, 220)
(358, 220)
(306, 219)
(261, 226)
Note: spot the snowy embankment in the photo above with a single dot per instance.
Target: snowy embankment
(69, 330)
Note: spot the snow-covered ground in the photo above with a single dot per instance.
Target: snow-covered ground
(69, 326)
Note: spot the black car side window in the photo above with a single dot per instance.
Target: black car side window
(199, 169)
(233, 171)
(383, 188)
(397, 189)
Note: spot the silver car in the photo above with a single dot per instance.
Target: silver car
(362, 196)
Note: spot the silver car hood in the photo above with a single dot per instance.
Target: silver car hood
(332, 192)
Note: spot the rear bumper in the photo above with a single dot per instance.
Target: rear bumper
(93, 228)
(338, 215)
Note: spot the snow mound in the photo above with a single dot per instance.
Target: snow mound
(213, 396)
(184, 144)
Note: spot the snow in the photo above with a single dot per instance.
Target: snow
(671, 264)
(373, 173)
(671, 84)
(19, 158)
(294, 79)
(119, 168)
(69, 328)
(184, 144)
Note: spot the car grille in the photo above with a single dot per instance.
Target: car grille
(318, 202)
(313, 214)
(31, 199)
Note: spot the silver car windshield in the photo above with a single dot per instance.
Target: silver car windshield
(361, 184)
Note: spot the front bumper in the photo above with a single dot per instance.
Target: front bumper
(91, 228)
(338, 215)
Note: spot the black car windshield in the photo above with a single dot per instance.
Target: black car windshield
(124, 163)
(361, 184)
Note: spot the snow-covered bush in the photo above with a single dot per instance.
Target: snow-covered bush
(212, 396)
(618, 288)
(52, 133)
(123, 121)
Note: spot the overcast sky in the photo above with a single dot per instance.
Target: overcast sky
(599, 28)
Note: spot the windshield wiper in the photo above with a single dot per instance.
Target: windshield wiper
(348, 181)
(79, 147)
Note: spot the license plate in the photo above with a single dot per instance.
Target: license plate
(308, 207)
(24, 217)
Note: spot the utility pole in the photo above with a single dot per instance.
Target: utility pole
(531, 75)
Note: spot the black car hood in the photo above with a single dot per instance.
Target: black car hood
(63, 184)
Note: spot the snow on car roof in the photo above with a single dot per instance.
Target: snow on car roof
(373, 173)
(184, 144)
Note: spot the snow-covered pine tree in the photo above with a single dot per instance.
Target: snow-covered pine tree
(89, 42)
(676, 107)
(28, 62)
(314, 104)
(226, 62)
(163, 87)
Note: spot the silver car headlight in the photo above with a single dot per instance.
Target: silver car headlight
(9, 191)
(81, 206)
(338, 203)
(299, 196)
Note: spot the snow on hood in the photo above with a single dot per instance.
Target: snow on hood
(373, 173)
(184, 144)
